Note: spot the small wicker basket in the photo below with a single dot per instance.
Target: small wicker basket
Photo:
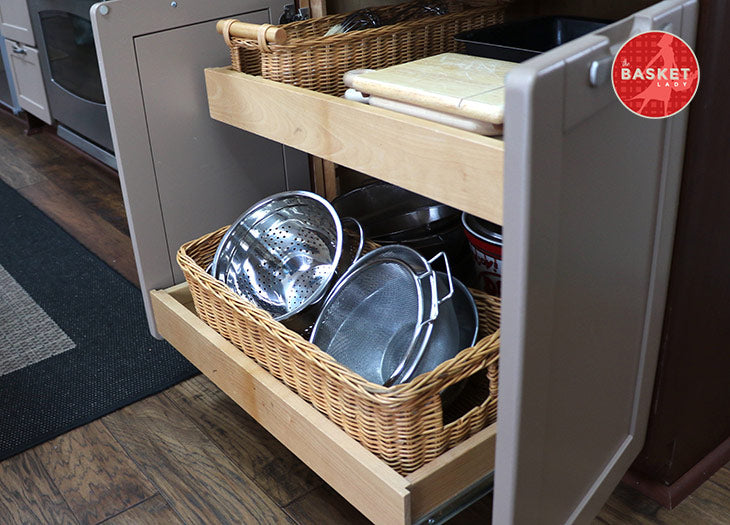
(313, 61)
(404, 424)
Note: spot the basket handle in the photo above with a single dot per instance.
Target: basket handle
(486, 408)
(232, 27)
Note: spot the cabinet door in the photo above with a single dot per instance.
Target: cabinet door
(590, 202)
(7, 86)
(28, 79)
(15, 21)
(182, 173)
(223, 170)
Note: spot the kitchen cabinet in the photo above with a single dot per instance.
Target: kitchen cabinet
(587, 195)
(688, 434)
(15, 22)
(28, 79)
(7, 84)
(23, 60)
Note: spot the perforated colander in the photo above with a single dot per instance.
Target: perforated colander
(282, 253)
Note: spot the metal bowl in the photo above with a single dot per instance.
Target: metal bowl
(413, 222)
(452, 241)
(282, 253)
(439, 227)
(400, 364)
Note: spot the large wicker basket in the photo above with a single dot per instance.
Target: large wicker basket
(311, 60)
(405, 424)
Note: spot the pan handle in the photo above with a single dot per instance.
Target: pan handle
(437, 301)
(448, 275)
(361, 242)
(426, 327)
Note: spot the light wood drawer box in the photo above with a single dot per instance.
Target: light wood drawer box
(456, 167)
(379, 492)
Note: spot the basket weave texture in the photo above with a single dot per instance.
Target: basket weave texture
(313, 61)
(402, 424)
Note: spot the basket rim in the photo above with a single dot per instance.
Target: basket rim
(390, 30)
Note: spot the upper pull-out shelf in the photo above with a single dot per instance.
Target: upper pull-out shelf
(456, 167)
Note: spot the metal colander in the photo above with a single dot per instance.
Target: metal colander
(368, 319)
(456, 327)
(434, 332)
(372, 318)
(282, 253)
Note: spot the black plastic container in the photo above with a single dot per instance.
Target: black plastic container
(519, 40)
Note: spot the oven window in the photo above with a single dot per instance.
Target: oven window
(71, 53)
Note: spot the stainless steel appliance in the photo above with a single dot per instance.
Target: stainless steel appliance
(71, 74)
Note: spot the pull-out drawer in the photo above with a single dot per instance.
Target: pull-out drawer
(456, 167)
(375, 489)
(587, 193)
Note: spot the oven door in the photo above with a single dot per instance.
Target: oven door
(70, 69)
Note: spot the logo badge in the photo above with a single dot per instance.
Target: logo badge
(655, 74)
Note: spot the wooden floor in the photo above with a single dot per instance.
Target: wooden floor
(82, 195)
(189, 454)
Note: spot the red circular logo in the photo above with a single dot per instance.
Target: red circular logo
(655, 74)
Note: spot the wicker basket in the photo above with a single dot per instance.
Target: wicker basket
(403, 424)
(312, 61)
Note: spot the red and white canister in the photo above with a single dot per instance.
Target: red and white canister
(485, 243)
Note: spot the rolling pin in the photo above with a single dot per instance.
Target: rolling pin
(272, 34)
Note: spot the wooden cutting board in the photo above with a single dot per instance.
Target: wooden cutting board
(460, 84)
(449, 119)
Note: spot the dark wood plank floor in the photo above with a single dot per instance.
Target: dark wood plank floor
(189, 454)
(80, 194)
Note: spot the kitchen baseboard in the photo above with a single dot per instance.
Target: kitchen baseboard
(670, 496)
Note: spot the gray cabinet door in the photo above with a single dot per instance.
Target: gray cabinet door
(207, 172)
(590, 203)
(15, 21)
(182, 173)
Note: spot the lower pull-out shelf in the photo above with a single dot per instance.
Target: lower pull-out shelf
(375, 489)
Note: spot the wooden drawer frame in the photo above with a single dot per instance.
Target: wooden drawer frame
(456, 167)
(379, 492)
